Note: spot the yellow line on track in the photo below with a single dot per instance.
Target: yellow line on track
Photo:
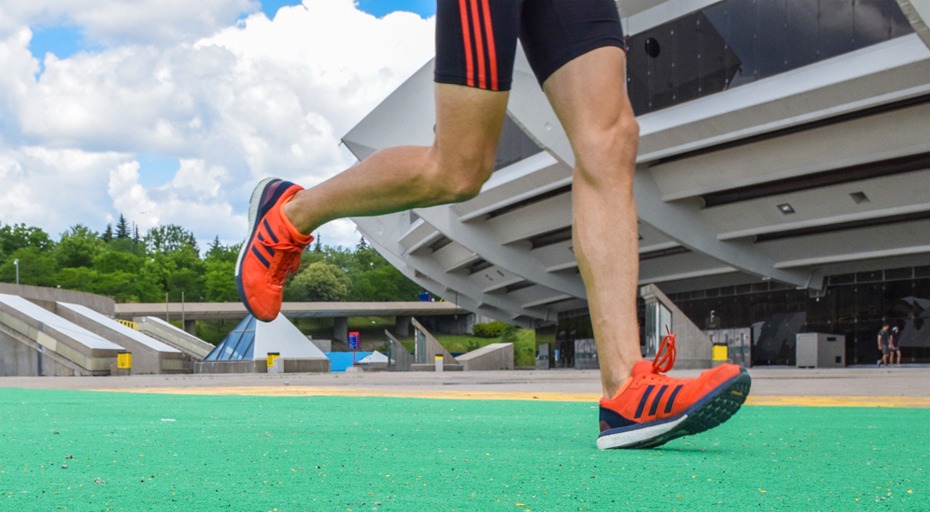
(841, 401)
(757, 400)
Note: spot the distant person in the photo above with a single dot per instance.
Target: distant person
(884, 344)
(576, 49)
(895, 346)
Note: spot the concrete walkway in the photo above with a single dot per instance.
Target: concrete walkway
(907, 382)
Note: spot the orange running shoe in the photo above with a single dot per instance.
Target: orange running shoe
(651, 409)
(272, 251)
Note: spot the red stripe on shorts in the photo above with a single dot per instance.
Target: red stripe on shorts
(466, 41)
(492, 52)
(479, 45)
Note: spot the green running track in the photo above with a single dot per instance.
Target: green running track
(99, 451)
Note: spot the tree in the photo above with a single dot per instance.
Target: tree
(111, 262)
(36, 267)
(166, 239)
(220, 252)
(383, 283)
(220, 264)
(320, 281)
(78, 247)
(77, 278)
(122, 228)
(219, 284)
(187, 282)
(19, 236)
(122, 265)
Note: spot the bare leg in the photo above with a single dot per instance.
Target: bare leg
(468, 126)
(589, 97)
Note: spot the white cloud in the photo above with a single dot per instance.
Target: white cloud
(231, 101)
(117, 22)
(55, 188)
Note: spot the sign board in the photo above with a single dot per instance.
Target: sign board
(353, 341)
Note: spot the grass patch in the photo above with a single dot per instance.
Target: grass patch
(524, 344)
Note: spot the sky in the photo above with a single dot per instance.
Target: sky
(170, 111)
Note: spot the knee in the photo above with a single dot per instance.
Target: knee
(608, 152)
(460, 179)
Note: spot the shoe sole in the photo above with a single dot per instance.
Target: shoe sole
(707, 413)
(254, 204)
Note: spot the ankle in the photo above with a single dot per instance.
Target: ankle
(289, 216)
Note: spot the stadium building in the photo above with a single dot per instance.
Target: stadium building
(782, 182)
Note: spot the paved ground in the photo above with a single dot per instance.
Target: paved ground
(905, 386)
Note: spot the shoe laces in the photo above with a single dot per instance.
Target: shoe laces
(665, 356)
(288, 262)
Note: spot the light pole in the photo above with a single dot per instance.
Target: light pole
(16, 264)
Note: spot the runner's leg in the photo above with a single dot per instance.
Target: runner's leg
(468, 126)
(589, 97)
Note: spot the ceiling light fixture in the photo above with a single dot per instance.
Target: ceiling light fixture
(859, 197)
(785, 208)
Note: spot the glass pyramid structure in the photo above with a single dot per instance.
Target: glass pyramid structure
(254, 340)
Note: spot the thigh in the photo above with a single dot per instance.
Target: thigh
(476, 42)
(589, 97)
(468, 126)
(554, 32)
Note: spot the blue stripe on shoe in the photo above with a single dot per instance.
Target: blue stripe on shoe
(671, 399)
(269, 231)
(261, 258)
(655, 403)
(642, 402)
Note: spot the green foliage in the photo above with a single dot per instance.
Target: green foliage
(524, 347)
(213, 331)
(489, 330)
(168, 239)
(121, 264)
(218, 281)
(122, 228)
(13, 238)
(78, 247)
(222, 253)
(36, 267)
(108, 262)
(524, 344)
(319, 281)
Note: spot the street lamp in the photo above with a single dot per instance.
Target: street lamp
(16, 264)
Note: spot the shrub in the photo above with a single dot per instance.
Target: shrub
(489, 330)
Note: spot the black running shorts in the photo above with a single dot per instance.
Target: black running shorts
(476, 40)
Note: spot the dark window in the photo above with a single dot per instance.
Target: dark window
(735, 42)
(514, 145)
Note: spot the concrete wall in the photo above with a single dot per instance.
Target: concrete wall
(147, 358)
(323, 345)
(85, 352)
(22, 358)
(400, 359)
(496, 356)
(47, 297)
(157, 328)
(251, 366)
(694, 346)
(261, 366)
(306, 365)
(426, 352)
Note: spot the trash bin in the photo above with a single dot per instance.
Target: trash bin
(819, 350)
(275, 363)
(720, 353)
